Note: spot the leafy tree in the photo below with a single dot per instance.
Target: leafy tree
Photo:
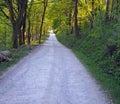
(37, 20)
(45, 3)
(17, 11)
(29, 22)
(76, 18)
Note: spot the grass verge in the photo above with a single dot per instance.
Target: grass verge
(17, 54)
(108, 84)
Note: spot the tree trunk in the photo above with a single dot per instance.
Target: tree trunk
(70, 21)
(29, 23)
(17, 17)
(29, 27)
(76, 19)
(107, 11)
(43, 17)
(92, 18)
(15, 36)
(29, 34)
(36, 33)
(20, 35)
(117, 10)
(22, 20)
(23, 27)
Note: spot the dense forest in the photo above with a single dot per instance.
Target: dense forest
(21, 22)
(91, 27)
(88, 26)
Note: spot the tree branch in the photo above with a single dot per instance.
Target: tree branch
(4, 13)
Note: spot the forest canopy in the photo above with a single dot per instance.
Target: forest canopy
(24, 20)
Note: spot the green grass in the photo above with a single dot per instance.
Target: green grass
(17, 54)
(108, 83)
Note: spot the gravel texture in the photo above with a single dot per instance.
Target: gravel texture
(51, 74)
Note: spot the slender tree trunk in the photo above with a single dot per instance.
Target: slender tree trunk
(72, 29)
(107, 11)
(70, 21)
(41, 31)
(20, 35)
(76, 19)
(29, 23)
(43, 17)
(22, 6)
(93, 12)
(29, 34)
(44, 30)
(24, 27)
(117, 9)
(36, 32)
(32, 33)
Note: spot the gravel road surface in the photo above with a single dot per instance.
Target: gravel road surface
(51, 74)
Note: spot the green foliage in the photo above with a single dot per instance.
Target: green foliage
(69, 41)
(5, 36)
(36, 13)
(35, 42)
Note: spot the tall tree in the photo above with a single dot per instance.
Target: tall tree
(76, 18)
(17, 11)
(29, 22)
(92, 12)
(45, 3)
(107, 10)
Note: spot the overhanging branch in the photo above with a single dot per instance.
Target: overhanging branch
(4, 13)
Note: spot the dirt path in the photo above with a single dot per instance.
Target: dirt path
(51, 74)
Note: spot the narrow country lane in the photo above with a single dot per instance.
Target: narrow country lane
(51, 74)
